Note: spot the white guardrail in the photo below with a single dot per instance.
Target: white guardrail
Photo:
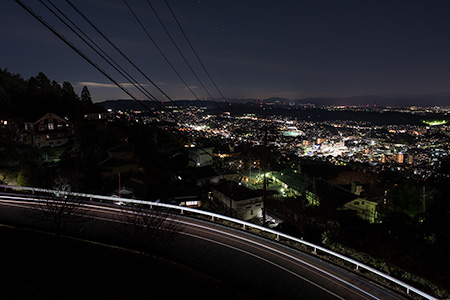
(244, 224)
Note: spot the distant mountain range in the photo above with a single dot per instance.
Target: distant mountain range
(440, 99)
(285, 107)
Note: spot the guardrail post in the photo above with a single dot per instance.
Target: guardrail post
(323, 251)
(243, 226)
(278, 237)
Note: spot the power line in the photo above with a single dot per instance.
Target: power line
(192, 47)
(78, 51)
(179, 51)
(121, 53)
(160, 51)
(121, 71)
(206, 48)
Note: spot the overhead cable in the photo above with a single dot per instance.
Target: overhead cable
(207, 51)
(84, 56)
(78, 51)
(193, 50)
(111, 61)
(160, 51)
(118, 50)
(180, 52)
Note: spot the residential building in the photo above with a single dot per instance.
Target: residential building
(200, 175)
(356, 188)
(121, 159)
(365, 209)
(95, 113)
(292, 183)
(185, 196)
(201, 157)
(335, 197)
(49, 131)
(245, 203)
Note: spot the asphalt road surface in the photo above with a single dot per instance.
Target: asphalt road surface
(264, 268)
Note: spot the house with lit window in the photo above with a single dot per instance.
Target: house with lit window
(245, 203)
(336, 197)
(49, 131)
(185, 196)
(95, 113)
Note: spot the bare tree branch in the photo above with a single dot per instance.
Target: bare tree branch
(58, 211)
(61, 210)
(151, 230)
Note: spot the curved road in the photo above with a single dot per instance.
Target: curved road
(262, 267)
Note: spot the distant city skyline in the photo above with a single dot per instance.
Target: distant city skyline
(254, 49)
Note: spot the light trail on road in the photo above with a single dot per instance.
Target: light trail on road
(332, 280)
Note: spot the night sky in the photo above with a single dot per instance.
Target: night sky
(259, 49)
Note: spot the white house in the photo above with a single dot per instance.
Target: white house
(245, 203)
(201, 157)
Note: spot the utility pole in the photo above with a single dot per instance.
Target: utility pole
(424, 200)
(265, 177)
(231, 207)
(231, 199)
(119, 186)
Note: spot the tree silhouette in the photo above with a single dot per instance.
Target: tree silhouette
(407, 198)
(61, 210)
(12, 92)
(148, 229)
(33, 98)
(86, 96)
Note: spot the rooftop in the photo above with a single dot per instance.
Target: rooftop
(235, 191)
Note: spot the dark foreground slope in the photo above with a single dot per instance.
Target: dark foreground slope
(36, 265)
